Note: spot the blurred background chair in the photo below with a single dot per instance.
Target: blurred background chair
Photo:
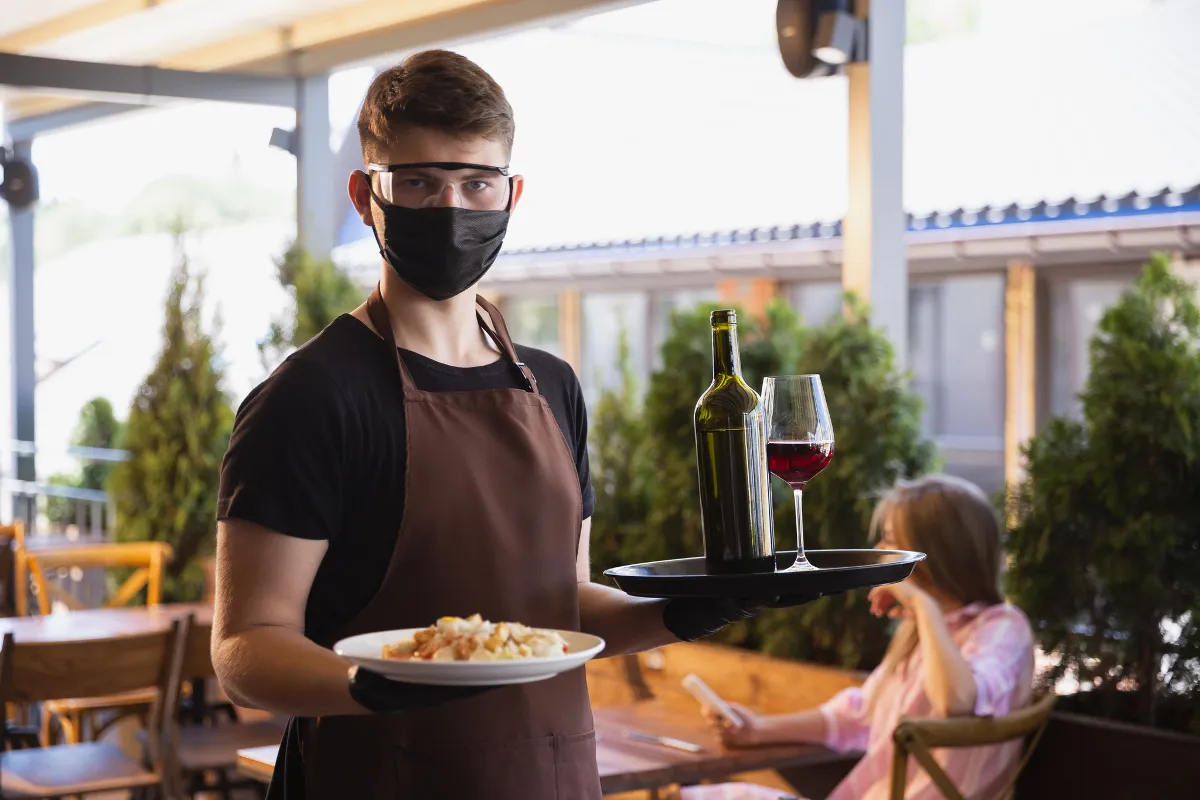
(36, 672)
(919, 737)
(82, 718)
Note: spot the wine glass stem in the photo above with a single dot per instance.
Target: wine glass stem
(801, 559)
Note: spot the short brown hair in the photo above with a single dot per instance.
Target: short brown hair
(434, 89)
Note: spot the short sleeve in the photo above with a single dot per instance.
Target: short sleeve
(1000, 652)
(847, 724)
(579, 420)
(285, 466)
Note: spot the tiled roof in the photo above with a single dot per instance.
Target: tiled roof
(1132, 204)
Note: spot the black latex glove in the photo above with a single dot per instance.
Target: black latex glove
(787, 601)
(382, 695)
(692, 618)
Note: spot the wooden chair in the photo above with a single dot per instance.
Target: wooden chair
(17, 732)
(918, 737)
(39, 671)
(77, 716)
(206, 752)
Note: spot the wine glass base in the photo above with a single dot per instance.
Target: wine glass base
(801, 564)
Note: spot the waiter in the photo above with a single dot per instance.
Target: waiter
(410, 463)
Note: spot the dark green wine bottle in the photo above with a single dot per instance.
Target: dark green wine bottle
(731, 459)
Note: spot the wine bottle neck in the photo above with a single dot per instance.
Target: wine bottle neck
(726, 359)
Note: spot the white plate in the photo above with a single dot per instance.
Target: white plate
(366, 650)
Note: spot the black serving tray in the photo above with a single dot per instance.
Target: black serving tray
(836, 571)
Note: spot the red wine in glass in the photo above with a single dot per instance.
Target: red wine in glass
(799, 439)
(797, 463)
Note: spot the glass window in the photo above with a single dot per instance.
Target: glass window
(815, 301)
(956, 355)
(605, 315)
(533, 321)
(923, 351)
(1076, 305)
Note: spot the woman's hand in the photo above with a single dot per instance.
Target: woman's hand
(895, 600)
(748, 735)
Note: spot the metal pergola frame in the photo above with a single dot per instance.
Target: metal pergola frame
(126, 88)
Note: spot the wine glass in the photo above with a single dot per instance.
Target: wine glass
(799, 439)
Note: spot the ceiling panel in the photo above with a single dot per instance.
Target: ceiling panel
(21, 14)
(173, 26)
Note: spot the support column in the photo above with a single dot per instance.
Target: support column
(874, 264)
(1020, 366)
(753, 295)
(570, 327)
(20, 298)
(316, 207)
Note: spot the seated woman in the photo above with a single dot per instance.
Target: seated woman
(959, 650)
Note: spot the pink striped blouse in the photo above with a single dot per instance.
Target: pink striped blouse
(998, 644)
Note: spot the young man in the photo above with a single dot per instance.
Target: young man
(409, 463)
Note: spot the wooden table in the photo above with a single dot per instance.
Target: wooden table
(627, 764)
(258, 763)
(74, 626)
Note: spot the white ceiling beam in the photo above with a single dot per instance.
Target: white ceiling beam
(90, 16)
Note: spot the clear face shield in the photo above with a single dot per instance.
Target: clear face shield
(476, 187)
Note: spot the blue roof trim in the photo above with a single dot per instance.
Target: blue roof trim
(1071, 209)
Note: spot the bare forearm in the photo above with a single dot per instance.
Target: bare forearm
(279, 670)
(805, 727)
(626, 624)
(949, 680)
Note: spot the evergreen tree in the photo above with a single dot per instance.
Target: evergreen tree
(320, 292)
(1105, 528)
(176, 434)
(98, 427)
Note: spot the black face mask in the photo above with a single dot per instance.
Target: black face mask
(440, 251)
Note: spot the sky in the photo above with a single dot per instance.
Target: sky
(211, 138)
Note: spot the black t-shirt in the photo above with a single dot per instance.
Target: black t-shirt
(318, 448)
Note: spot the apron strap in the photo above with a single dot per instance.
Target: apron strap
(499, 334)
(377, 311)
(378, 314)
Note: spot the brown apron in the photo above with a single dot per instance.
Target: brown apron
(491, 526)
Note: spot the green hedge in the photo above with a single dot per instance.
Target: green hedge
(644, 467)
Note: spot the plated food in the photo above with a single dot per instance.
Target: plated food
(476, 639)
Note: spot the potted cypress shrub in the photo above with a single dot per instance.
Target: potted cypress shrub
(1104, 541)
(176, 434)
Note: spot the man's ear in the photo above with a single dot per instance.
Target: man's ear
(359, 189)
(518, 187)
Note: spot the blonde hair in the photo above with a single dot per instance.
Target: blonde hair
(951, 521)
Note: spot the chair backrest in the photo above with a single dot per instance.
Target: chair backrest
(12, 542)
(38, 671)
(147, 558)
(917, 737)
(32, 672)
(197, 653)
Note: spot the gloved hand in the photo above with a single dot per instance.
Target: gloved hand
(692, 618)
(382, 695)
